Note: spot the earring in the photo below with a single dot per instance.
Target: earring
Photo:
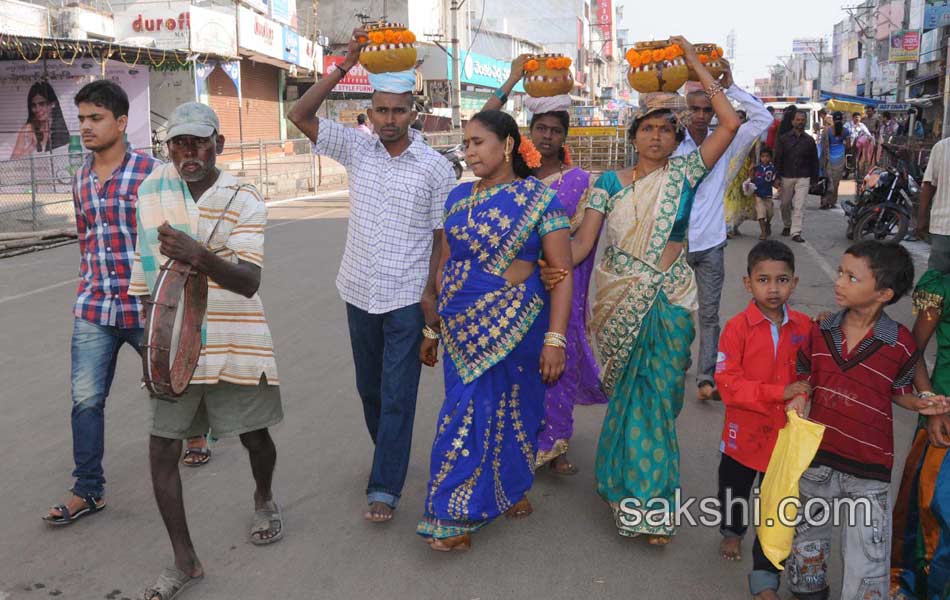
(507, 156)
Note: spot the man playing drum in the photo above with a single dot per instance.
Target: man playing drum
(193, 213)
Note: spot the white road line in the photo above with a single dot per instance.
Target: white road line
(829, 271)
(39, 290)
(312, 197)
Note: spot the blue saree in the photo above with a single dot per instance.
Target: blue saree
(483, 455)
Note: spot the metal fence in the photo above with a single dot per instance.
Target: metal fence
(36, 192)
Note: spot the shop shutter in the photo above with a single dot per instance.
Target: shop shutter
(259, 83)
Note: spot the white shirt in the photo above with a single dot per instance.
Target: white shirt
(395, 204)
(938, 174)
(856, 129)
(707, 222)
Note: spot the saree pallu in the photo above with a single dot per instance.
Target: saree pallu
(580, 382)
(738, 207)
(643, 326)
(920, 550)
(482, 459)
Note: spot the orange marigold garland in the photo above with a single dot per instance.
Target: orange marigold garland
(529, 153)
(532, 65)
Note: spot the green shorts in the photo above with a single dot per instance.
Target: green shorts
(226, 409)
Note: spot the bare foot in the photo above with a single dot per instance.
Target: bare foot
(766, 595)
(562, 465)
(730, 548)
(520, 509)
(379, 512)
(705, 392)
(459, 542)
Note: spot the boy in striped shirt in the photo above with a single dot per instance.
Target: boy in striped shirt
(857, 362)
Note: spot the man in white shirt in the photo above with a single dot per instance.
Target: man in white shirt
(934, 212)
(707, 223)
(398, 188)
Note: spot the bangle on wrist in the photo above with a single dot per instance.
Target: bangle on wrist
(923, 395)
(342, 70)
(501, 95)
(430, 333)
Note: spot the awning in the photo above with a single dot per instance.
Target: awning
(824, 96)
(922, 79)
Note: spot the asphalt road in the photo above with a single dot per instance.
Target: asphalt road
(568, 549)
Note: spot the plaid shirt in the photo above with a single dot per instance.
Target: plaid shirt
(105, 222)
(395, 204)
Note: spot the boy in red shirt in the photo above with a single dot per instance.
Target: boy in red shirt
(857, 362)
(755, 375)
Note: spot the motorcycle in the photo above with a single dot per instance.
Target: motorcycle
(456, 156)
(882, 210)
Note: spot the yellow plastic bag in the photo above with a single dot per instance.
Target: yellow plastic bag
(794, 450)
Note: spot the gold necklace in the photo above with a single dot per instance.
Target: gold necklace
(476, 188)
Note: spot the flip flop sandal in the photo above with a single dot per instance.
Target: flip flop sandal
(171, 583)
(267, 520)
(93, 505)
(200, 456)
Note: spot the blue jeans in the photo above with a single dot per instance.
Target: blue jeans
(709, 267)
(386, 356)
(93, 353)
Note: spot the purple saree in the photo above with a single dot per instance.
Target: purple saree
(580, 383)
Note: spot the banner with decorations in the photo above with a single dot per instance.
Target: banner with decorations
(904, 46)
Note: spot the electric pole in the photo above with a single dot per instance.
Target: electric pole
(902, 67)
(455, 92)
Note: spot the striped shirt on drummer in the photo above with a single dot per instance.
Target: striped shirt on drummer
(852, 392)
(237, 347)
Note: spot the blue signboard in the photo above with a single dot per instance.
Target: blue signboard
(284, 11)
(936, 13)
(291, 46)
(481, 70)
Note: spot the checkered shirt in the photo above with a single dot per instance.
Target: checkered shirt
(105, 222)
(938, 174)
(395, 204)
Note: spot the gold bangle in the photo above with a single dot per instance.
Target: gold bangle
(554, 344)
(714, 90)
(431, 334)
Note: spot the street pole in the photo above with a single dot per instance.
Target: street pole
(456, 89)
(946, 97)
(902, 67)
(869, 44)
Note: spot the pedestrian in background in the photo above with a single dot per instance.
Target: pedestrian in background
(796, 165)
(933, 214)
(398, 186)
(834, 148)
(361, 124)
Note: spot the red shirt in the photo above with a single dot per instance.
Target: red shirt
(752, 374)
(852, 392)
(772, 135)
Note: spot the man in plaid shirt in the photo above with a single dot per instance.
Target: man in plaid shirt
(106, 317)
(398, 188)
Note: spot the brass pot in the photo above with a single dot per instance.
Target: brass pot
(666, 75)
(386, 56)
(715, 66)
(546, 81)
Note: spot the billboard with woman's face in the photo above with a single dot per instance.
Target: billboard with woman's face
(38, 116)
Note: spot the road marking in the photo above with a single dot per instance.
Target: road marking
(320, 196)
(39, 290)
(822, 263)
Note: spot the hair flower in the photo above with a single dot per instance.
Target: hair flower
(529, 153)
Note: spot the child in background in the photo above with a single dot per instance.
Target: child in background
(763, 177)
(756, 376)
(857, 362)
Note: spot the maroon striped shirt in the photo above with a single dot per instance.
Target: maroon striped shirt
(853, 391)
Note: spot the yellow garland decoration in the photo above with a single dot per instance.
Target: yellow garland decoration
(39, 55)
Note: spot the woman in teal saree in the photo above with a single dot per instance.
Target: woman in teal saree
(642, 312)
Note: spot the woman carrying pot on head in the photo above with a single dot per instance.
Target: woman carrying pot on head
(642, 313)
(45, 128)
(550, 123)
(504, 336)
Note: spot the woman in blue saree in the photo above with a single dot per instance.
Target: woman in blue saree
(504, 339)
(642, 312)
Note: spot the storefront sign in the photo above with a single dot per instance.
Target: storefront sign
(291, 46)
(483, 71)
(213, 31)
(605, 21)
(356, 79)
(284, 11)
(167, 26)
(936, 13)
(259, 34)
(49, 90)
(904, 46)
(21, 18)
(306, 52)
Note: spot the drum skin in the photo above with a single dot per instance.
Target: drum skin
(178, 289)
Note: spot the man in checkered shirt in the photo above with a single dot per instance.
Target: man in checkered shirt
(398, 187)
(105, 190)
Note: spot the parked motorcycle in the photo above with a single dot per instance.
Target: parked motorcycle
(882, 210)
(456, 156)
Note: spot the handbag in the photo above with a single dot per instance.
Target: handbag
(820, 187)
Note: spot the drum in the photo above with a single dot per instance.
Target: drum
(173, 321)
